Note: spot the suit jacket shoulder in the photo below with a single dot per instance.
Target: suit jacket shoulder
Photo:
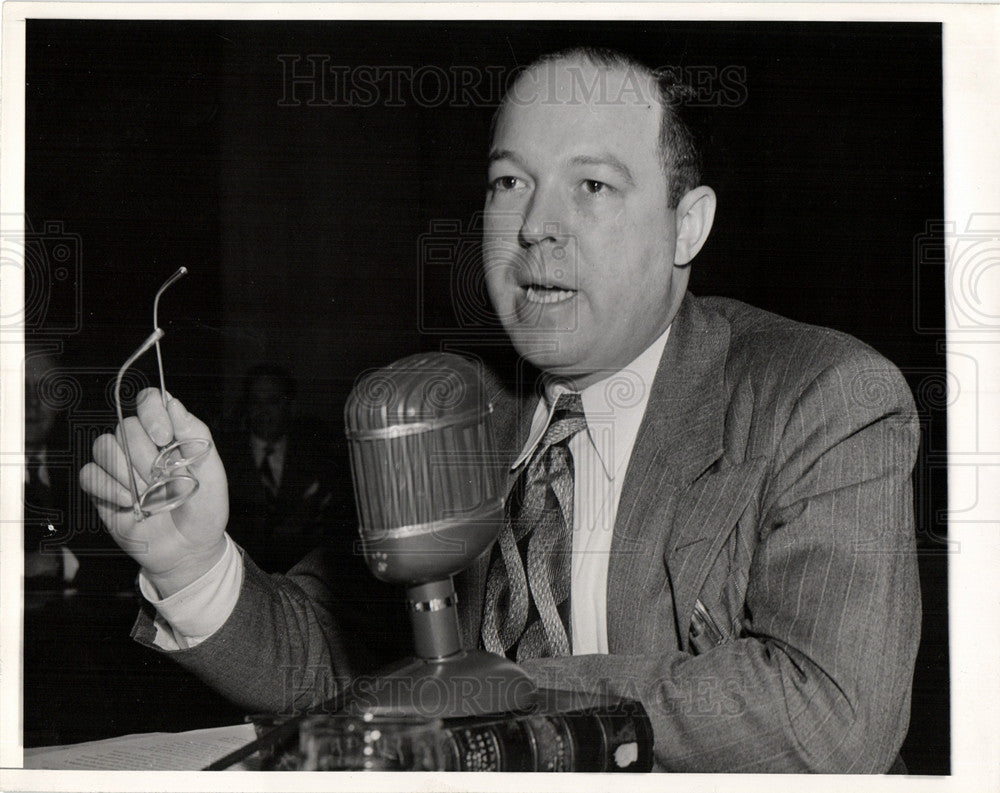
(776, 354)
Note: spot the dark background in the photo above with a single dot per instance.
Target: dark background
(332, 235)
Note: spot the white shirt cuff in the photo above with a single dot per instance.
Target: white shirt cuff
(194, 613)
(70, 564)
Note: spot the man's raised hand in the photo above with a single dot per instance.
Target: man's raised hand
(174, 548)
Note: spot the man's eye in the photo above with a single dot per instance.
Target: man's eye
(505, 183)
(595, 187)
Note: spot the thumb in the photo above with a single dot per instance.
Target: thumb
(186, 425)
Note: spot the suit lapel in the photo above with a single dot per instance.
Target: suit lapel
(681, 435)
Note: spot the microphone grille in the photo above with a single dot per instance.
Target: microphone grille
(415, 394)
(421, 444)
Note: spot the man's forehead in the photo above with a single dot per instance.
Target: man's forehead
(37, 366)
(570, 82)
(265, 387)
(577, 108)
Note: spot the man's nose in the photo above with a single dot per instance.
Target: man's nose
(544, 219)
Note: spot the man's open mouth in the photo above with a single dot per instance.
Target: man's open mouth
(543, 293)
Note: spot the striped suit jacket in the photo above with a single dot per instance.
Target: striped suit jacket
(763, 598)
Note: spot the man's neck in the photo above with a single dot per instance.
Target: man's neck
(553, 384)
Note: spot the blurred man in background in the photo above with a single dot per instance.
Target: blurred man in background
(280, 467)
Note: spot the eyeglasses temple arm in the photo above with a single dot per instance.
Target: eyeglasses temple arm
(153, 339)
(181, 272)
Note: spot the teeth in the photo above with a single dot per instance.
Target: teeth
(548, 294)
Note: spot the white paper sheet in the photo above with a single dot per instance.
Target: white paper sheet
(155, 751)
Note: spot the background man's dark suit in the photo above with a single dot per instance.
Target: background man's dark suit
(279, 528)
(770, 484)
(314, 506)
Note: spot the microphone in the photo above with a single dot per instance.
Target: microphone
(426, 476)
(429, 490)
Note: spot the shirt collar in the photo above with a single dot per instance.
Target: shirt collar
(259, 446)
(613, 407)
(37, 459)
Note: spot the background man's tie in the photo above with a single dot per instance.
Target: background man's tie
(526, 614)
(266, 474)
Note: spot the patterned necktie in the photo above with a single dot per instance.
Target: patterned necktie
(525, 614)
(266, 474)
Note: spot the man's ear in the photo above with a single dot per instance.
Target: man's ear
(695, 213)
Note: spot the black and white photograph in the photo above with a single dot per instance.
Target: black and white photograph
(473, 391)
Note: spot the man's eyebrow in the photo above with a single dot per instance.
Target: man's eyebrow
(504, 154)
(607, 159)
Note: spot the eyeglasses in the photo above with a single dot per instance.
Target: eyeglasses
(168, 486)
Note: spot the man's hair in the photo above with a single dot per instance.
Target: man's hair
(678, 150)
(269, 371)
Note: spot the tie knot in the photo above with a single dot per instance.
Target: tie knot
(567, 420)
(568, 405)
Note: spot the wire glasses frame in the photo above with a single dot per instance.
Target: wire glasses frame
(168, 487)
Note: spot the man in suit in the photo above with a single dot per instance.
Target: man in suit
(735, 487)
(280, 468)
(46, 563)
(59, 552)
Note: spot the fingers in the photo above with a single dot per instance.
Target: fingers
(108, 455)
(107, 479)
(109, 462)
(104, 488)
(141, 448)
(113, 502)
(154, 417)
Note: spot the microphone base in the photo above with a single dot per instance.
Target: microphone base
(469, 683)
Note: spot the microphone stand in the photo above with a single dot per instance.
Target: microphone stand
(445, 680)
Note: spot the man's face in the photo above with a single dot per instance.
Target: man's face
(579, 240)
(268, 409)
(39, 413)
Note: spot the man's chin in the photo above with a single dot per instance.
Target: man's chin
(552, 359)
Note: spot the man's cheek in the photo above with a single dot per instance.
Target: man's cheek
(502, 301)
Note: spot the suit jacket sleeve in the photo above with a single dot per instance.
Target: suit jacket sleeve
(818, 677)
(280, 651)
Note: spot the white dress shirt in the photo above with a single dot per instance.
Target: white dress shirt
(39, 458)
(614, 408)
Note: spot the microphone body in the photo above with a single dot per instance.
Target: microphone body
(426, 476)
(429, 490)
